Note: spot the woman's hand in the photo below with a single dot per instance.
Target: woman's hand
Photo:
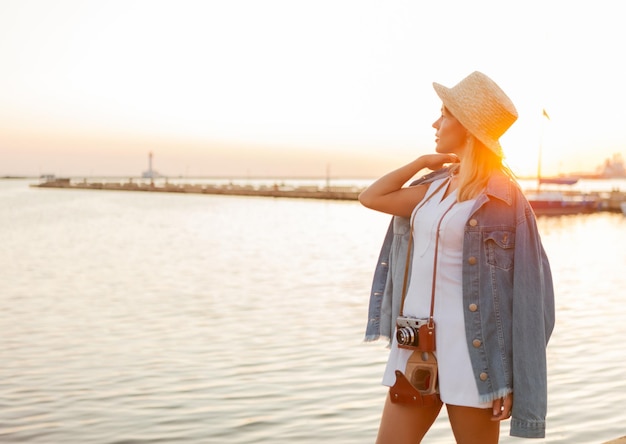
(502, 408)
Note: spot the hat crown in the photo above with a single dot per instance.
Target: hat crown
(481, 106)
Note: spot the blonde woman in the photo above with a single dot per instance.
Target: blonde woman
(475, 257)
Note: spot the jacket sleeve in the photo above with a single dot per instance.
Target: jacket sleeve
(533, 322)
(372, 330)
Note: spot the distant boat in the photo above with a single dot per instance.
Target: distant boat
(558, 180)
(556, 203)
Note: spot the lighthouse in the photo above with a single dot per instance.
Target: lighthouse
(150, 173)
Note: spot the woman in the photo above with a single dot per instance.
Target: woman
(475, 235)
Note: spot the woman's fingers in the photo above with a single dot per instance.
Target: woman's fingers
(502, 408)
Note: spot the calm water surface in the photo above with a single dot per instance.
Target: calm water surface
(146, 318)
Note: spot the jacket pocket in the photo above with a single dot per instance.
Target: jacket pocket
(500, 248)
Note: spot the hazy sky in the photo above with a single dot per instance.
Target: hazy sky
(291, 87)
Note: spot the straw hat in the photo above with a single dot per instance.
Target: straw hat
(481, 107)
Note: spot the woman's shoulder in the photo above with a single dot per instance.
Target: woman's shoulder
(504, 186)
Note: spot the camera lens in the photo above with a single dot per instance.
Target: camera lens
(406, 336)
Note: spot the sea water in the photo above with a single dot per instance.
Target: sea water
(129, 317)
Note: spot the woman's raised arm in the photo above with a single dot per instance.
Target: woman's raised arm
(387, 193)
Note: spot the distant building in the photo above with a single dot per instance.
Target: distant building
(150, 173)
(613, 167)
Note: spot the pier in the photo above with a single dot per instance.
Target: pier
(603, 200)
(276, 190)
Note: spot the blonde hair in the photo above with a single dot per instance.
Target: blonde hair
(479, 163)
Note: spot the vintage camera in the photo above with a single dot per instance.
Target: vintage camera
(407, 331)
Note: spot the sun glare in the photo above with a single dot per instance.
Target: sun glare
(329, 84)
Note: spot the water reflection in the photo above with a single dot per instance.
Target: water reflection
(144, 318)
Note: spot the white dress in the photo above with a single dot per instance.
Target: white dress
(456, 379)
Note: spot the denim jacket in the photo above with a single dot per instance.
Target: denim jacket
(508, 309)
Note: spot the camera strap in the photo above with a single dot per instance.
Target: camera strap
(431, 321)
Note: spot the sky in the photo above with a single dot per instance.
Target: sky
(296, 88)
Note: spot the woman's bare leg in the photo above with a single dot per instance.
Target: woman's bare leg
(472, 425)
(405, 424)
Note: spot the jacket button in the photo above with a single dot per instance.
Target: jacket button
(473, 222)
(483, 376)
(476, 343)
(473, 307)
(471, 260)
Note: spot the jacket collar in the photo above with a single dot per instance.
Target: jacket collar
(499, 185)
